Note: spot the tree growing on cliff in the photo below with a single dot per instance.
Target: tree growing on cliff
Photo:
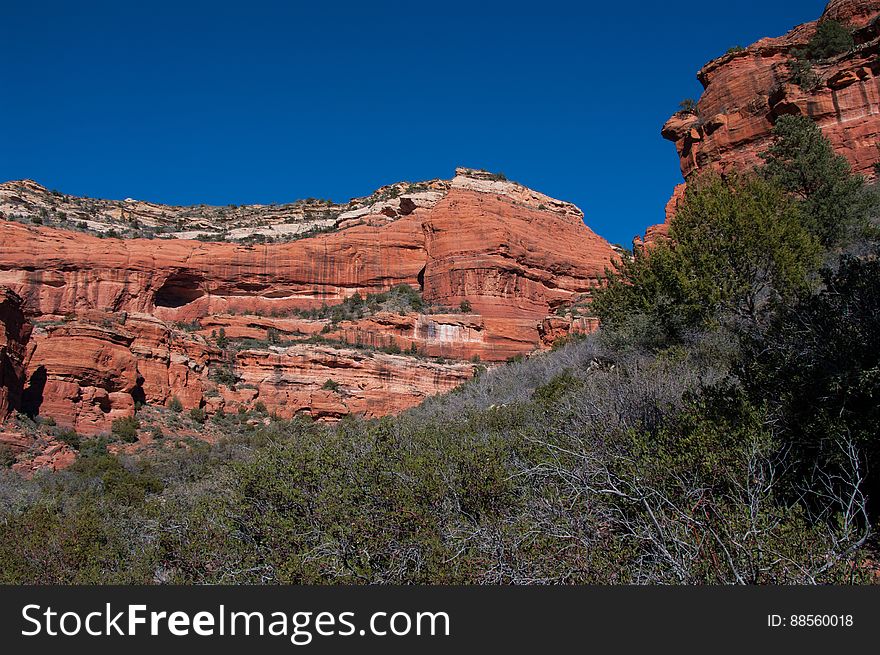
(802, 161)
(688, 106)
(831, 38)
(737, 244)
(801, 73)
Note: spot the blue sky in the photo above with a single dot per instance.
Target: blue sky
(217, 102)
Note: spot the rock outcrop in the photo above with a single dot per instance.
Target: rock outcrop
(222, 326)
(746, 90)
(26, 200)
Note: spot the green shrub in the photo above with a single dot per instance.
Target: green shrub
(688, 106)
(831, 38)
(7, 455)
(815, 370)
(70, 437)
(800, 72)
(124, 485)
(93, 447)
(198, 415)
(550, 393)
(737, 245)
(125, 428)
(391, 348)
(224, 375)
(331, 385)
(175, 405)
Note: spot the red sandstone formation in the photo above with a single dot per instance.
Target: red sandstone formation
(126, 321)
(746, 91)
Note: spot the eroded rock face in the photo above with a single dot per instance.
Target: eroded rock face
(127, 321)
(746, 91)
(14, 334)
(295, 380)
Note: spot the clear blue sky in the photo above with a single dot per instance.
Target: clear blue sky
(258, 101)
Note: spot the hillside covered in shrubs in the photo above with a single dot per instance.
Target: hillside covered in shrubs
(721, 427)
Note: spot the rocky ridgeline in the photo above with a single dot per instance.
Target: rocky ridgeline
(28, 202)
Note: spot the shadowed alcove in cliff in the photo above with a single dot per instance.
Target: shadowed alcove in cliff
(421, 279)
(32, 396)
(179, 289)
(137, 392)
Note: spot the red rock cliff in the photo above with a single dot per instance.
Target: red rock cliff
(127, 321)
(746, 91)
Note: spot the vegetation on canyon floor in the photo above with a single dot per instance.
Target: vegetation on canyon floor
(721, 427)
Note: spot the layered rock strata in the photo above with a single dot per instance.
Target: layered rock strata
(218, 325)
(747, 90)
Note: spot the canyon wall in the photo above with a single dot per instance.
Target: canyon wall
(499, 270)
(746, 90)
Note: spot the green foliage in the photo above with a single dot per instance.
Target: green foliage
(7, 455)
(802, 161)
(465, 307)
(734, 49)
(570, 338)
(552, 392)
(124, 485)
(831, 38)
(688, 106)
(402, 298)
(198, 415)
(175, 405)
(391, 348)
(224, 375)
(737, 244)
(222, 341)
(125, 428)
(331, 385)
(374, 506)
(93, 447)
(801, 73)
(816, 368)
(70, 437)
